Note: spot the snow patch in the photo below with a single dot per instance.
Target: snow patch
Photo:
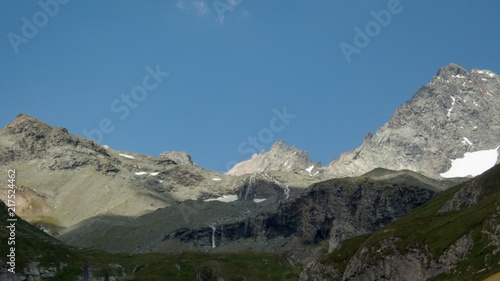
(154, 174)
(310, 169)
(126, 156)
(472, 164)
(141, 173)
(458, 76)
(223, 198)
(484, 79)
(216, 179)
(259, 200)
(489, 73)
(466, 140)
(452, 105)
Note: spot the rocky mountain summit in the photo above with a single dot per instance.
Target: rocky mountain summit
(279, 158)
(453, 117)
(64, 179)
(448, 129)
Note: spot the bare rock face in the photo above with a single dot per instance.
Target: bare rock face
(464, 198)
(456, 113)
(28, 138)
(64, 179)
(179, 158)
(415, 264)
(319, 272)
(456, 235)
(325, 213)
(279, 158)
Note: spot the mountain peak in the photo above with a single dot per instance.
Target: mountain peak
(280, 157)
(25, 123)
(28, 138)
(278, 145)
(452, 70)
(450, 121)
(179, 158)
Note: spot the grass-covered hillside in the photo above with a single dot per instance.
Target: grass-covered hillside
(67, 263)
(455, 236)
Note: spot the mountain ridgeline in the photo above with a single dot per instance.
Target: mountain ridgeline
(412, 200)
(456, 113)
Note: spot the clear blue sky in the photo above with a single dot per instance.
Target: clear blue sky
(227, 75)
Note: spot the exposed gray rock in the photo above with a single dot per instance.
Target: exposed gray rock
(316, 271)
(415, 264)
(31, 272)
(179, 158)
(464, 198)
(71, 179)
(457, 112)
(279, 158)
(329, 211)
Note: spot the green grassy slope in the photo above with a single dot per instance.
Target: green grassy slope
(33, 245)
(427, 229)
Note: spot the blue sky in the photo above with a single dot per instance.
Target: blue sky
(231, 66)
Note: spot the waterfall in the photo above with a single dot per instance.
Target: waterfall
(250, 185)
(286, 189)
(213, 235)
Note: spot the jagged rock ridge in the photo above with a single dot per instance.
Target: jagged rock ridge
(456, 113)
(279, 158)
(64, 179)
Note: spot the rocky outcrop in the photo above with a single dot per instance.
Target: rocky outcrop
(316, 271)
(27, 138)
(64, 179)
(464, 198)
(279, 158)
(338, 209)
(33, 271)
(457, 112)
(412, 265)
(178, 158)
(453, 237)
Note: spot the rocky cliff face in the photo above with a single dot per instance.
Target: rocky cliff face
(279, 158)
(323, 215)
(455, 236)
(456, 113)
